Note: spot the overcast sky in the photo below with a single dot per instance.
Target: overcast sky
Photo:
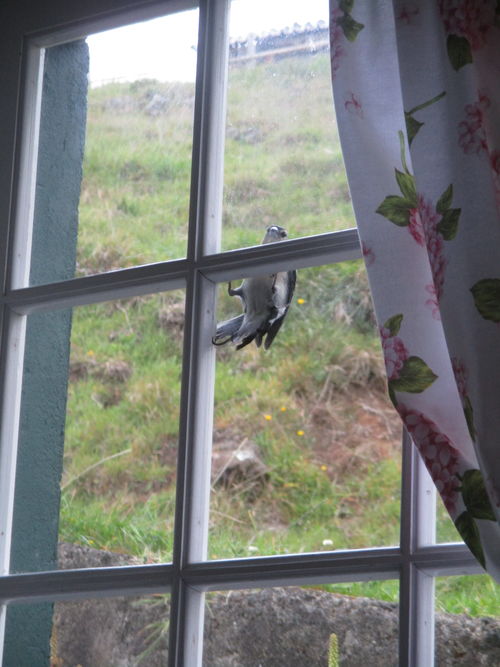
(164, 48)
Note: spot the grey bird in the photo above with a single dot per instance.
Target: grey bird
(265, 300)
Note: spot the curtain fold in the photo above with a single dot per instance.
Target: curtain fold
(417, 97)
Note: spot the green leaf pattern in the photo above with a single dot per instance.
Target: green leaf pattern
(469, 27)
(406, 373)
(413, 126)
(478, 506)
(486, 295)
(430, 226)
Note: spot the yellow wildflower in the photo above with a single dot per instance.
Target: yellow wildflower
(300, 301)
(300, 432)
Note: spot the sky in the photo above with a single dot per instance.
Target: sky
(165, 48)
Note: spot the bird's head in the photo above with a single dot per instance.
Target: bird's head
(274, 233)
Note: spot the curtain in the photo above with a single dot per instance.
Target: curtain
(417, 95)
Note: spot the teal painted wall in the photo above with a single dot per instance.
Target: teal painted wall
(45, 376)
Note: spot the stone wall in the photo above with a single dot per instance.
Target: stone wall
(270, 628)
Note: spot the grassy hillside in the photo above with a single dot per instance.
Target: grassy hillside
(323, 441)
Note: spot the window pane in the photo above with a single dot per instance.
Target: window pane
(110, 450)
(467, 620)
(283, 162)
(474, 595)
(299, 626)
(446, 530)
(307, 447)
(133, 129)
(107, 631)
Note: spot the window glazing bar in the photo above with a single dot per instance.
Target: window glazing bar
(197, 395)
(290, 254)
(162, 276)
(340, 566)
(235, 574)
(418, 530)
(86, 583)
(119, 284)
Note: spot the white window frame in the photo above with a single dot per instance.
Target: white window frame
(418, 559)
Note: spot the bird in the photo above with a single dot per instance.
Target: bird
(265, 300)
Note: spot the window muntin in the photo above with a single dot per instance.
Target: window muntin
(187, 602)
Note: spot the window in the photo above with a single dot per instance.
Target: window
(34, 288)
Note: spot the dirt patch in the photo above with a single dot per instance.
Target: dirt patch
(352, 431)
(171, 317)
(114, 370)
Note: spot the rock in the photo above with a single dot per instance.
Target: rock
(171, 317)
(238, 468)
(269, 627)
(293, 627)
(156, 105)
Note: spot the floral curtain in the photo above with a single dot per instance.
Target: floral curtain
(417, 95)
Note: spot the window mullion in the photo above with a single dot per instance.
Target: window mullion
(195, 442)
(418, 521)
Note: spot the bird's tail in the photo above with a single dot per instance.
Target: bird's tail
(250, 330)
(227, 330)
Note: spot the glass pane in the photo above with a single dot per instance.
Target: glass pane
(474, 595)
(467, 620)
(109, 632)
(299, 626)
(99, 430)
(307, 447)
(446, 530)
(133, 128)
(283, 162)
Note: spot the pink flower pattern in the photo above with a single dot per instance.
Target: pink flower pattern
(408, 13)
(368, 254)
(423, 227)
(472, 138)
(395, 353)
(471, 19)
(472, 135)
(440, 457)
(353, 106)
(460, 373)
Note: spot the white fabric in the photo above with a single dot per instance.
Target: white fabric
(426, 195)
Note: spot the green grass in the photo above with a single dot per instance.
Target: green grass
(314, 406)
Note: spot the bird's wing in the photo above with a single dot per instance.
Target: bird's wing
(278, 321)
